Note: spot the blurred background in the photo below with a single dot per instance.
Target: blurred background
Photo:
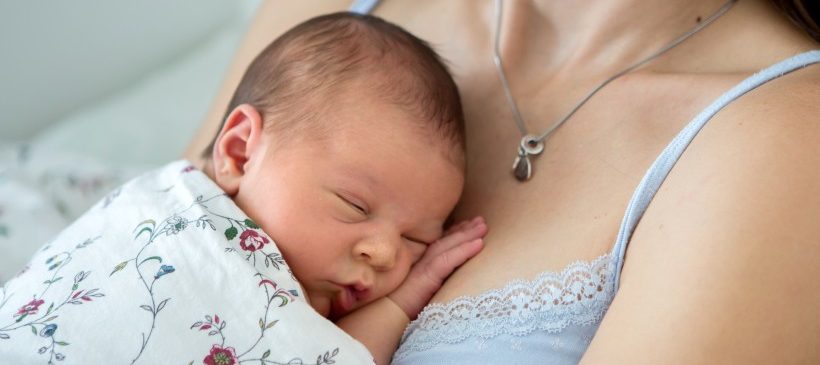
(93, 92)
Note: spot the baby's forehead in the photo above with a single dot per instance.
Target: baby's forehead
(355, 112)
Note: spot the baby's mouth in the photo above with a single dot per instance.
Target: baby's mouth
(343, 302)
(347, 298)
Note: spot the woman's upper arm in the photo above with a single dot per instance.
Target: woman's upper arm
(272, 19)
(724, 266)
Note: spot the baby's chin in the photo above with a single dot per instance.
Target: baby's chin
(321, 305)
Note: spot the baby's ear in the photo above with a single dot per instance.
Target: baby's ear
(238, 142)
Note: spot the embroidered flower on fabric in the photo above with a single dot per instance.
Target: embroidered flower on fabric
(48, 331)
(163, 270)
(221, 356)
(30, 308)
(175, 225)
(250, 240)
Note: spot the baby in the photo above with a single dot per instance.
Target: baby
(344, 141)
(338, 163)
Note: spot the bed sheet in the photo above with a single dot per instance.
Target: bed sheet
(41, 192)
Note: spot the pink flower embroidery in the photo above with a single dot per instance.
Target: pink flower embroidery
(220, 356)
(250, 240)
(30, 308)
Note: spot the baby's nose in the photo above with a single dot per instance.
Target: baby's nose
(380, 252)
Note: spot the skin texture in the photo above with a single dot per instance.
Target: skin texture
(722, 267)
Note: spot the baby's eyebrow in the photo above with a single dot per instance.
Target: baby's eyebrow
(359, 175)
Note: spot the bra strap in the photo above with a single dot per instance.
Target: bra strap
(657, 173)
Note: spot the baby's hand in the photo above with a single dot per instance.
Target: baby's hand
(459, 243)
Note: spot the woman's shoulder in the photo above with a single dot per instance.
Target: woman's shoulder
(777, 115)
(725, 258)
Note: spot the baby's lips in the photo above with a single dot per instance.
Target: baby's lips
(361, 291)
(343, 303)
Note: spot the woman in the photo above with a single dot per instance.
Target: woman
(722, 265)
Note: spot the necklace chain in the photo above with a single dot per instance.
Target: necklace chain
(533, 145)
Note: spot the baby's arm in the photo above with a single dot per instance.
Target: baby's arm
(380, 324)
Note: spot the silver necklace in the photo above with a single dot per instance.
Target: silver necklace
(533, 145)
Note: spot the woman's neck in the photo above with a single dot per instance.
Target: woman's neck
(599, 36)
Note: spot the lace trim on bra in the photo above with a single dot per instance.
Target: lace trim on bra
(578, 295)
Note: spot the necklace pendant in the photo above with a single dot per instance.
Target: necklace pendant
(522, 168)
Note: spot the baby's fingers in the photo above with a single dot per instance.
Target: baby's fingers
(458, 226)
(443, 264)
(462, 232)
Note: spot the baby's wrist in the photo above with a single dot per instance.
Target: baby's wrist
(409, 301)
(405, 309)
(400, 308)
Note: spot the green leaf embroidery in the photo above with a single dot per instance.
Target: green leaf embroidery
(162, 304)
(119, 267)
(52, 281)
(146, 229)
(250, 224)
(151, 258)
(231, 233)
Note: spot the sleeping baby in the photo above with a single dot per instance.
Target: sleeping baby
(338, 162)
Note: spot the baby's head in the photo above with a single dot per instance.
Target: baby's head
(345, 142)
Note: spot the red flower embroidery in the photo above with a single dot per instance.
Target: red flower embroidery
(250, 240)
(30, 308)
(220, 356)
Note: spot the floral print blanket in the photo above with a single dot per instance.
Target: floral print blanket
(165, 270)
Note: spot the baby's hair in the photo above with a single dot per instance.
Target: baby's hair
(292, 79)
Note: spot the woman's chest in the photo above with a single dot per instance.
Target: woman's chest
(572, 207)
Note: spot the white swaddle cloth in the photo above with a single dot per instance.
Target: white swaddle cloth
(166, 269)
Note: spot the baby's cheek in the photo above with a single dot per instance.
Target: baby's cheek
(319, 303)
(403, 271)
(416, 252)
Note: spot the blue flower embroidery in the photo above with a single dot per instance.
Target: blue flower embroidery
(164, 269)
(48, 330)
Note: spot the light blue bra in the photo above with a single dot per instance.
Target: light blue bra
(552, 319)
